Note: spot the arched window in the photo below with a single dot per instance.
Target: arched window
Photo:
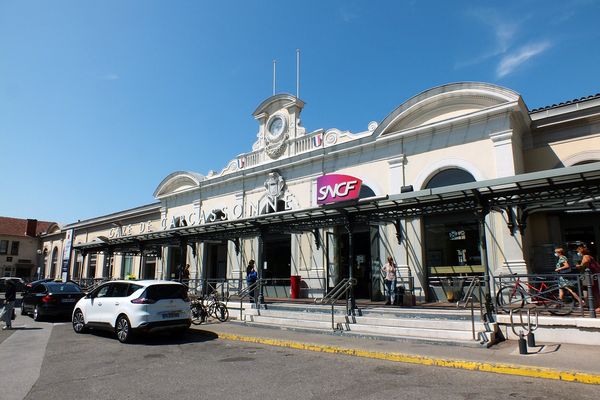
(447, 177)
(53, 263)
(365, 192)
(451, 240)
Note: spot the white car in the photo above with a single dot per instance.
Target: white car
(126, 307)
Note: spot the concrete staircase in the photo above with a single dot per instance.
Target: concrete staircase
(443, 326)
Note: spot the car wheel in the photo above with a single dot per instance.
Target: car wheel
(37, 315)
(23, 310)
(79, 322)
(123, 329)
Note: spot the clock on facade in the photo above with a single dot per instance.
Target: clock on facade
(276, 127)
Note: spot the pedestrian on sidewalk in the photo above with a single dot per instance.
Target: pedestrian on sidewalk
(9, 304)
(587, 261)
(562, 268)
(251, 278)
(389, 269)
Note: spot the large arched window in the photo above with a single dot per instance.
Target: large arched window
(54, 262)
(451, 240)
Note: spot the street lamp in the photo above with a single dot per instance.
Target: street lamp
(40, 265)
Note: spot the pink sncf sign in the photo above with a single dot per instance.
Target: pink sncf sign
(335, 187)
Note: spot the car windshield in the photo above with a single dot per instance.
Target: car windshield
(63, 288)
(161, 292)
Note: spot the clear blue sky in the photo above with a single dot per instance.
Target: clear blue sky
(99, 101)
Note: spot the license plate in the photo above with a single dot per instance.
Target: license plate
(170, 315)
(68, 300)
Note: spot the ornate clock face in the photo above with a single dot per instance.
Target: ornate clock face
(276, 126)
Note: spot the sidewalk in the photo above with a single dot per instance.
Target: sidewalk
(575, 363)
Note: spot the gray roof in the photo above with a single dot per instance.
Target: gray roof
(564, 103)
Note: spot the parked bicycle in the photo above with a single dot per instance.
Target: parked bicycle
(199, 312)
(217, 308)
(202, 308)
(516, 293)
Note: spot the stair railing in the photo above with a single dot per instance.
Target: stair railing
(340, 290)
(470, 298)
(250, 291)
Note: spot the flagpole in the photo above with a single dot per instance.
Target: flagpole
(297, 73)
(274, 75)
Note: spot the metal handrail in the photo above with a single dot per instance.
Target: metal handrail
(246, 293)
(582, 280)
(469, 298)
(341, 289)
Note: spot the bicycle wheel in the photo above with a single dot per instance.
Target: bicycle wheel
(557, 306)
(509, 297)
(221, 312)
(197, 314)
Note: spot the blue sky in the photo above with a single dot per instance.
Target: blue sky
(99, 101)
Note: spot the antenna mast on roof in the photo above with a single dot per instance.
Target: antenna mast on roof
(297, 73)
(274, 74)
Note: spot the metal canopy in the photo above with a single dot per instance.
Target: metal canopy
(560, 189)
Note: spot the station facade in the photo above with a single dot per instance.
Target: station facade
(449, 135)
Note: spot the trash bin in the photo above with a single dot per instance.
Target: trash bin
(295, 286)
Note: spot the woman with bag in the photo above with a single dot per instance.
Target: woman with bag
(587, 261)
(389, 269)
(9, 304)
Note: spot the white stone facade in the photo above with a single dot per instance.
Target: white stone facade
(481, 129)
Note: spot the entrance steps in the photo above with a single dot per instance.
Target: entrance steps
(443, 326)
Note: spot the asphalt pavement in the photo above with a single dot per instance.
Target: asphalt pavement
(567, 362)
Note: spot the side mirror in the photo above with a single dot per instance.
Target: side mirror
(88, 295)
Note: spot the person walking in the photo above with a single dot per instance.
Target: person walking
(251, 278)
(563, 267)
(587, 261)
(9, 304)
(389, 270)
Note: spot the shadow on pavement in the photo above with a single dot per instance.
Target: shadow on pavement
(163, 338)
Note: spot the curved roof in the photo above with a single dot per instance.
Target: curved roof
(178, 181)
(444, 102)
(277, 98)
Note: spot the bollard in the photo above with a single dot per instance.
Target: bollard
(522, 344)
(530, 339)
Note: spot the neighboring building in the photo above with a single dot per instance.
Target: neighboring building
(19, 245)
(278, 203)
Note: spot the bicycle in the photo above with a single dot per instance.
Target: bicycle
(217, 309)
(515, 295)
(199, 311)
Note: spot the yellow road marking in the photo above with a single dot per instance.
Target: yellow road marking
(506, 369)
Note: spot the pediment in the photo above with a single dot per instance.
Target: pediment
(176, 182)
(445, 103)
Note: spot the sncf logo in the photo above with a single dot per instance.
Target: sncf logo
(335, 187)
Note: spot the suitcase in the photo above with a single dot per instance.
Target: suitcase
(409, 300)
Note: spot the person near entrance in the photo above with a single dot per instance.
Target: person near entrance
(251, 278)
(587, 261)
(563, 267)
(389, 269)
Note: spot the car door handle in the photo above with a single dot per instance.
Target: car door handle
(116, 303)
(99, 303)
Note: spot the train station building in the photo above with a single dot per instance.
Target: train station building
(460, 180)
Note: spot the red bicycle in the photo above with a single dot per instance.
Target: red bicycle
(537, 291)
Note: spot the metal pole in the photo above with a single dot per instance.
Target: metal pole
(350, 268)
(274, 75)
(261, 297)
(489, 308)
(297, 73)
(589, 283)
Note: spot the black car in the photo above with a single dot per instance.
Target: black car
(29, 285)
(51, 299)
(17, 281)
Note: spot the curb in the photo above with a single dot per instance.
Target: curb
(505, 369)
